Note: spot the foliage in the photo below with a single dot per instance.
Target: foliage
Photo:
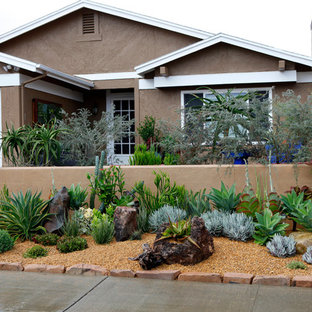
(225, 199)
(69, 244)
(48, 239)
(249, 205)
(148, 130)
(214, 222)
(23, 216)
(166, 193)
(295, 265)
(197, 203)
(71, 227)
(267, 226)
(136, 235)
(303, 215)
(4, 194)
(6, 241)
(161, 216)
(99, 163)
(77, 196)
(142, 156)
(291, 201)
(142, 220)
(179, 230)
(84, 139)
(307, 191)
(37, 145)
(107, 184)
(36, 251)
(307, 256)
(238, 226)
(171, 159)
(282, 246)
(103, 231)
(83, 218)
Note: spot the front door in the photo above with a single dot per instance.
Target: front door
(121, 150)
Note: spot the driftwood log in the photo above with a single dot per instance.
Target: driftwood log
(169, 251)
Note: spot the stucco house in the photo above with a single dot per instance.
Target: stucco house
(93, 55)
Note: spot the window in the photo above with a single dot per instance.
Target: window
(44, 111)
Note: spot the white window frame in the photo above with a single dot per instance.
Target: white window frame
(236, 90)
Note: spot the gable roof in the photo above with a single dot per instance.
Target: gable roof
(242, 43)
(42, 69)
(104, 9)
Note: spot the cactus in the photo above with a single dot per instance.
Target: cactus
(99, 163)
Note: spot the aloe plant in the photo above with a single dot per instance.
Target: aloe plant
(23, 215)
(225, 199)
(197, 203)
(77, 196)
(267, 226)
(303, 215)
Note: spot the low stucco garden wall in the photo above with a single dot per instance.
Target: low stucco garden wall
(193, 177)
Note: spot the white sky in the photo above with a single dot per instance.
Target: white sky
(283, 24)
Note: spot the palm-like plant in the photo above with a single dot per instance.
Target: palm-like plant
(23, 216)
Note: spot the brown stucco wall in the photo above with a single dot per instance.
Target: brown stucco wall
(124, 45)
(224, 58)
(303, 89)
(193, 177)
(10, 100)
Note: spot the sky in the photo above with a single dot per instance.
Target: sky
(283, 24)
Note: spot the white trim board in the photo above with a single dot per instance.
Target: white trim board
(110, 76)
(10, 80)
(227, 78)
(108, 10)
(0, 128)
(303, 77)
(239, 42)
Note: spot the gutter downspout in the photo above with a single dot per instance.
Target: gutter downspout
(23, 84)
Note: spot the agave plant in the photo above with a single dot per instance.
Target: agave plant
(225, 199)
(77, 196)
(303, 215)
(197, 203)
(267, 226)
(23, 216)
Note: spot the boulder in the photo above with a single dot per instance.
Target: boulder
(59, 206)
(169, 251)
(125, 220)
(303, 241)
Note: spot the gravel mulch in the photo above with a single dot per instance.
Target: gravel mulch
(229, 256)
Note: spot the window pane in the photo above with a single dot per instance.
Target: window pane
(131, 104)
(117, 149)
(125, 149)
(132, 149)
(192, 100)
(125, 105)
(117, 104)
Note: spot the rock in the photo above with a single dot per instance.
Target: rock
(125, 222)
(169, 251)
(58, 206)
(303, 241)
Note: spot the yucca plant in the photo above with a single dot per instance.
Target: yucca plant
(23, 215)
(225, 199)
(77, 196)
(267, 226)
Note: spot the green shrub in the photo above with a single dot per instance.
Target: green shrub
(295, 265)
(267, 226)
(148, 131)
(6, 241)
(225, 199)
(171, 159)
(23, 216)
(142, 156)
(36, 251)
(48, 239)
(136, 235)
(77, 196)
(142, 220)
(162, 215)
(69, 244)
(71, 227)
(103, 231)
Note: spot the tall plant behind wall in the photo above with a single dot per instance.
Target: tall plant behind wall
(85, 139)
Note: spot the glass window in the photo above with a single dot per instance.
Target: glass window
(44, 111)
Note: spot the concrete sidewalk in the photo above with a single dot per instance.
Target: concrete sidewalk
(21, 291)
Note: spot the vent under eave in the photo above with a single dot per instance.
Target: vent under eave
(88, 23)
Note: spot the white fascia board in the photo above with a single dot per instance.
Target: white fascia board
(110, 76)
(304, 77)
(146, 84)
(18, 62)
(104, 9)
(227, 78)
(48, 87)
(10, 80)
(242, 43)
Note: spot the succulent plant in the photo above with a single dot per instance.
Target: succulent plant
(281, 246)
(307, 256)
(214, 222)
